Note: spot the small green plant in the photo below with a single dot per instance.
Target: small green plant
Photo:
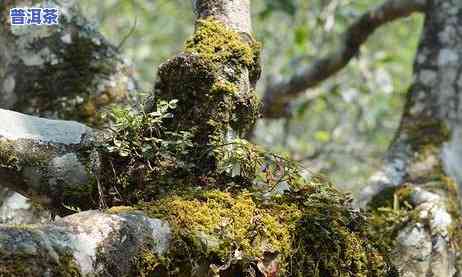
(141, 135)
(142, 152)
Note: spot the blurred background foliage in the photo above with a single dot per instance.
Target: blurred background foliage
(340, 128)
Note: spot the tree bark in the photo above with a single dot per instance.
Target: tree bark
(56, 163)
(50, 161)
(63, 170)
(425, 155)
(68, 72)
(89, 243)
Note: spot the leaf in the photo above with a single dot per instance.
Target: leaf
(301, 36)
(172, 103)
(146, 148)
(322, 136)
(117, 143)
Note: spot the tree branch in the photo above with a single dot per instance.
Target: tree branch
(85, 244)
(68, 71)
(47, 160)
(277, 95)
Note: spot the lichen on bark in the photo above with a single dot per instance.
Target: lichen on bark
(66, 71)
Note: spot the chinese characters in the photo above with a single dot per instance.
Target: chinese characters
(34, 16)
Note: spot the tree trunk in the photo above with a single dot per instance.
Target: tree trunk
(85, 244)
(422, 164)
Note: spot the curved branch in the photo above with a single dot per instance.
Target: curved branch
(278, 95)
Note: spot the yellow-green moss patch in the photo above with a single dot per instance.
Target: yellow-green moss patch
(120, 209)
(218, 44)
(310, 233)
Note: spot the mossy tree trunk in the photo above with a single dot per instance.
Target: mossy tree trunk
(422, 166)
(53, 161)
(215, 89)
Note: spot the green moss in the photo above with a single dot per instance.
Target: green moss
(391, 197)
(209, 227)
(308, 234)
(204, 186)
(223, 87)
(8, 156)
(206, 82)
(391, 210)
(120, 209)
(338, 239)
(35, 157)
(147, 264)
(220, 224)
(217, 45)
(426, 132)
(27, 265)
(68, 266)
(206, 213)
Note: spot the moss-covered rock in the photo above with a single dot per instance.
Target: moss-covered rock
(57, 262)
(14, 159)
